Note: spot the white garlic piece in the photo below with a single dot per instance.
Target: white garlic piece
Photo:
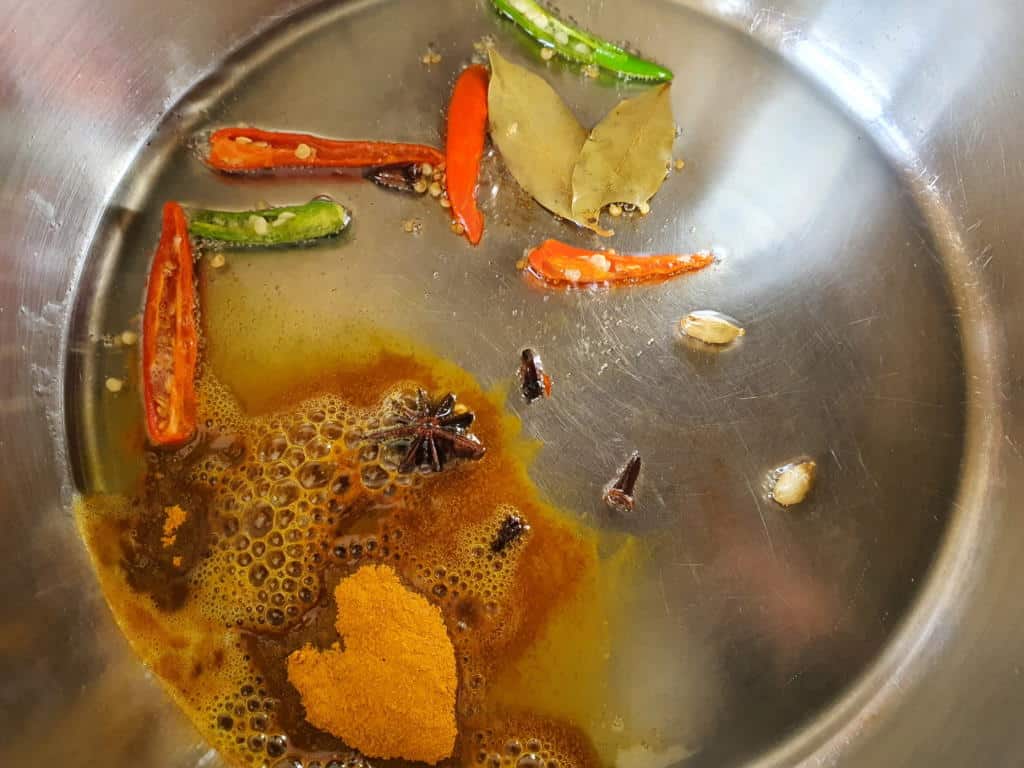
(711, 327)
(793, 482)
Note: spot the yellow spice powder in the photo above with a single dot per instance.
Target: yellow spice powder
(174, 518)
(391, 692)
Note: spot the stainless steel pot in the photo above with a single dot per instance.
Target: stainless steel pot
(935, 87)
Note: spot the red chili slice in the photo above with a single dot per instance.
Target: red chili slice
(558, 264)
(169, 336)
(236, 150)
(467, 132)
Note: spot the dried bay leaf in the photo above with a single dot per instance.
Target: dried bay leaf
(626, 157)
(537, 134)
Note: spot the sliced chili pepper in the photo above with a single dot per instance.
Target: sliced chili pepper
(236, 150)
(576, 45)
(467, 131)
(169, 337)
(289, 225)
(559, 264)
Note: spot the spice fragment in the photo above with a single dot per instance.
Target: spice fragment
(174, 518)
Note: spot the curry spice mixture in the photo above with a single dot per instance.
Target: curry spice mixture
(391, 692)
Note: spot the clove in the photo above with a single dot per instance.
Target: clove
(403, 178)
(512, 529)
(535, 382)
(619, 497)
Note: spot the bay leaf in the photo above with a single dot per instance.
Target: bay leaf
(626, 157)
(537, 134)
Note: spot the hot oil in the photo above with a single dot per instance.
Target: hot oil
(226, 558)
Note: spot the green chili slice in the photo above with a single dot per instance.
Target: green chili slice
(575, 44)
(288, 225)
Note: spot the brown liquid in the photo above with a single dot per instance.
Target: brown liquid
(284, 500)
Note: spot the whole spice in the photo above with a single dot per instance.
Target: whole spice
(512, 529)
(575, 44)
(625, 156)
(534, 381)
(169, 336)
(793, 482)
(236, 150)
(711, 327)
(289, 225)
(391, 692)
(558, 264)
(467, 133)
(404, 178)
(619, 497)
(436, 433)
(537, 134)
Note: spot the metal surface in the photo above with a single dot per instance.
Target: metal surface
(857, 172)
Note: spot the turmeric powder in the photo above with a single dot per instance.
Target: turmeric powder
(391, 692)
(175, 518)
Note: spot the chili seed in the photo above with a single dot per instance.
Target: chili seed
(243, 140)
(615, 210)
(547, 54)
(114, 385)
(217, 260)
(303, 151)
(129, 338)
(259, 225)
(435, 189)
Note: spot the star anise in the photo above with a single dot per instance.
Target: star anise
(436, 433)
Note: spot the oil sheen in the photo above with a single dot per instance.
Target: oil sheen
(224, 558)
